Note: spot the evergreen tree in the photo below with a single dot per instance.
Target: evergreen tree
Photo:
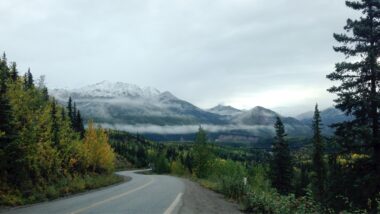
(319, 168)
(6, 120)
(70, 110)
(281, 169)
(202, 154)
(63, 114)
(358, 93)
(13, 72)
(28, 80)
(189, 162)
(79, 124)
(5, 107)
(54, 123)
(4, 58)
(142, 157)
(45, 94)
(4, 70)
(74, 116)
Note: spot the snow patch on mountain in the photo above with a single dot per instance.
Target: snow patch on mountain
(225, 110)
(106, 89)
(130, 107)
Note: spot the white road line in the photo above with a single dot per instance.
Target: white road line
(113, 197)
(172, 206)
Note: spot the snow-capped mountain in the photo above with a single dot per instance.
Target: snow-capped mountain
(106, 89)
(122, 104)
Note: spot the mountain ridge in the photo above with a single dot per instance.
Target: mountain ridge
(122, 104)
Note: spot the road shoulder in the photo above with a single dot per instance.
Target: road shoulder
(197, 199)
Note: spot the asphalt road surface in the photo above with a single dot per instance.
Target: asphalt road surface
(148, 194)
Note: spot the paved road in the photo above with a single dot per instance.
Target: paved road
(143, 194)
(148, 194)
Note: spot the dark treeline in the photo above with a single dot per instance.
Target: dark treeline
(44, 149)
(75, 118)
(134, 148)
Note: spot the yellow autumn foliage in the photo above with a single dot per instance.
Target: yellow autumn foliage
(350, 159)
(100, 154)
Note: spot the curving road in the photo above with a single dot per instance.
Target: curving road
(142, 194)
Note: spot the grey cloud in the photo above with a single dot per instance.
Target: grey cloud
(203, 51)
(183, 129)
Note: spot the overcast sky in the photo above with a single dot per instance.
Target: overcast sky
(235, 52)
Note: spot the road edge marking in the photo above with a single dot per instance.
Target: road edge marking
(174, 204)
(113, 197)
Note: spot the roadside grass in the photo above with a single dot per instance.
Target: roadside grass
(63, 187)
(208, 184)
(256, 196)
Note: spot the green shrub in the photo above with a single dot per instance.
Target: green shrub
(161, 165)
(11, 199)
(258, 178)
(272, 202)
(177, 168)
(77, 184)
(229, 177)
(233, 187)
(51, 192)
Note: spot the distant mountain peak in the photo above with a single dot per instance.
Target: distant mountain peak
(262, 110)
(108, 89)
(128, 105)
(167, 95)
(224, 110)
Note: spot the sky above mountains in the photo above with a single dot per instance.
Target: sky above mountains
(242, 53)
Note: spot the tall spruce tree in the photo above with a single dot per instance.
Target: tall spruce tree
(70, 109)
(202, 154)
(5, 107)
(358, 92)
(74, 116)
(28, 80)
(281, 169)
(4, 58)
(79, 127)
(4, 69)
(54, 123)
(358, 95)
(319, 167)
(13, 71)
(63, 114)
(45, 94)
(7, 130)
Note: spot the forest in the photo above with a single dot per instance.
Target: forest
(45, 151)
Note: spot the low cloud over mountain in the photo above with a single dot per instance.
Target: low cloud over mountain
(147, 110)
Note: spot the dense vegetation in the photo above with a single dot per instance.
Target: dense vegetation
(44, 150)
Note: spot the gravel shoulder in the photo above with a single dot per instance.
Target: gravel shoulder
(197, 199)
